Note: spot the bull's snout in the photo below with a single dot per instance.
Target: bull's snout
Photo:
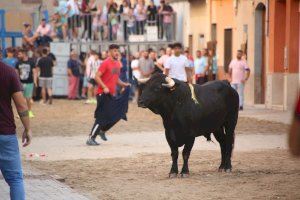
(141, 103)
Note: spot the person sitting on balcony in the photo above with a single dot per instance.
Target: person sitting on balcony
(140, 14)
(28, 39)
(61, 8)
(167, 11)
(58, 29)
(43, 33)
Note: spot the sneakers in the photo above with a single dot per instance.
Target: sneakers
(102, 135)
(91, 101)
(30, 113)
(92, 142)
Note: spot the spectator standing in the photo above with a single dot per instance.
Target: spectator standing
(177, 65)
(10, 60)
(131, 22)
(135, 66)
(166, 54)
(112, 11)
(93, 64)
(88, 8)
(124, 13)
(98, 23)
(27, 72)
(43, 33)
(146, 65)
(140, 13)
(200, 69)
(73, 18)
(239, 73)
(213, 63)
(45, 69)
(11, 167)
(74, 74)
(152, 13)
(190, 70)
(167, 11)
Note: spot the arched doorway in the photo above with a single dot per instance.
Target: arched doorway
(259, 55)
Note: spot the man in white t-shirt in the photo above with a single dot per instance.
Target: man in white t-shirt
(239, 74)
(177, 65)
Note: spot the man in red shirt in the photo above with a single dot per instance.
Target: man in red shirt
(110, 109)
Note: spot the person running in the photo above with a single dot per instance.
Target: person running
(45, 68)
(10, 161)
(239, 73)
(28, 76)
(110, 109)
(177, 65)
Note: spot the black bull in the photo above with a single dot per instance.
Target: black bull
(189, 111)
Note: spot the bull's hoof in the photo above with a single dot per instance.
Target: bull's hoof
(185, 175)
(173, 175)
(228, 170)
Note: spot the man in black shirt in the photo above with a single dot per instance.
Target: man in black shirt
(45, 67)
(28, 75)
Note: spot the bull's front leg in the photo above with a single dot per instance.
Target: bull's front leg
(174, 169)
(186, 154)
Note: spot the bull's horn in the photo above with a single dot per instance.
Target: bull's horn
(170, 82)
(143, 80)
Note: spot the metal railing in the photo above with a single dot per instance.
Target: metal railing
(120, 27)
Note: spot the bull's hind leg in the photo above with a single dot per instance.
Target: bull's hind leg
(185, 155)
(220, 137)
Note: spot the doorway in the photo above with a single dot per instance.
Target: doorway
(227, 48)
(259, 55)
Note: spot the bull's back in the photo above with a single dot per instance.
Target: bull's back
(217, 101)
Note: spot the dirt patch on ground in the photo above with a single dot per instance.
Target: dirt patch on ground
(68, 118)
(259, 175)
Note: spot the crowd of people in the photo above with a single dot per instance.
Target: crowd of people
(36, 70)
(88, 20)
(172, 61)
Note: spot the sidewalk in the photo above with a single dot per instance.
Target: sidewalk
(39, 186)
(261, 113)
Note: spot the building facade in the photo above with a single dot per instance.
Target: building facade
(266, 30)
